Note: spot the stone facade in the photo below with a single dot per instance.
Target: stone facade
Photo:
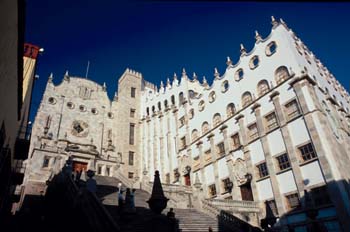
(272, 127)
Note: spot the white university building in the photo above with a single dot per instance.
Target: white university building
(269, 129)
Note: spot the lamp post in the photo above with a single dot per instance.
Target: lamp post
(119, 186)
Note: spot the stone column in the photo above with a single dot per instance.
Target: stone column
(269, 160)
(161, 144)
(294, 162)
(235, 193)
(247, 157)
(155, 144)
(202, 166)
(170, 150)
(149, 142)
(215, 164)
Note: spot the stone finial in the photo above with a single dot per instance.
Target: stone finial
(175, 76)
(205, 83)
(243, 51)
(115, 96)
(183, 72)
(257, 37)
(104, 87)
(216, 73)
(229, 62)
(161, 85)
(194, 76)
(273, 21)
(283, 23)
(291, 72)
(50, 78)
(168, 82)
(66, 76)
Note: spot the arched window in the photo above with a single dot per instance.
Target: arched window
(263, 87)
(281, 74)
(153, 109)
(172, 99)
(254, 62)
(216, 119)
(181, 98)
(205, 127)
(230, 109)
(194, 135)
(191, 94)
(166, 104)
(246, 99)
(159, 106)
(147, 111)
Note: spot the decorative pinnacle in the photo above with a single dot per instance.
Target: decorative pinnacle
(104, 87)
(115, 96)
(194, 76)
(161, 84)
(243, 51)
(168, 82)
(273, 21)
(175, 76)
(50, 77)
(257, 36)
(66, 76)
(283, 22)
(183, 72)
(229, 62)
(205, 81)
(216, 73)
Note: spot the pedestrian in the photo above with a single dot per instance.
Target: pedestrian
(120, 200)
(171, 214)
(132, 198)
(210, 229)
(91, 183)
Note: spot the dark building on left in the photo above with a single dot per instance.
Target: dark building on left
(17, 75)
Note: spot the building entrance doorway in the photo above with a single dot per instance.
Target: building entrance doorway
(187, 179)
(246, 192)
(79, 166)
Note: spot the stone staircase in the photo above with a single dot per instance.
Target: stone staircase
(188, 220)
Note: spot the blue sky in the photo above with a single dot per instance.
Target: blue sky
(159, 38)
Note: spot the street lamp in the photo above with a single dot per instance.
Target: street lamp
(230, 186)
(120, 186)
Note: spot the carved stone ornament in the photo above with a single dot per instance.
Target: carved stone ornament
(80, 128)
(240, 171)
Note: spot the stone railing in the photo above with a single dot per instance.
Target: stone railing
(234, 205)
(77, 207)
(127, 182)
(226, 218)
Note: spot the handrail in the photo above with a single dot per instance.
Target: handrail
(234, 205)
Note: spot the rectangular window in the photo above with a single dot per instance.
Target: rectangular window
(320, 196)
(283, 161)
(271, 121)
(220, 148)
(46, 162)
(293, 200)
(292, 109)
(212, 190)
(182, 121)
(307, 152)
(183, 142)
(107, 171)
(273, 207)
(235, 141)
(130, 175)
(99, 170)
(133, 92)
(131, 133)
(131, 158)
(262, 168)
(132, 113)
(253, 131)
(226, 183)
